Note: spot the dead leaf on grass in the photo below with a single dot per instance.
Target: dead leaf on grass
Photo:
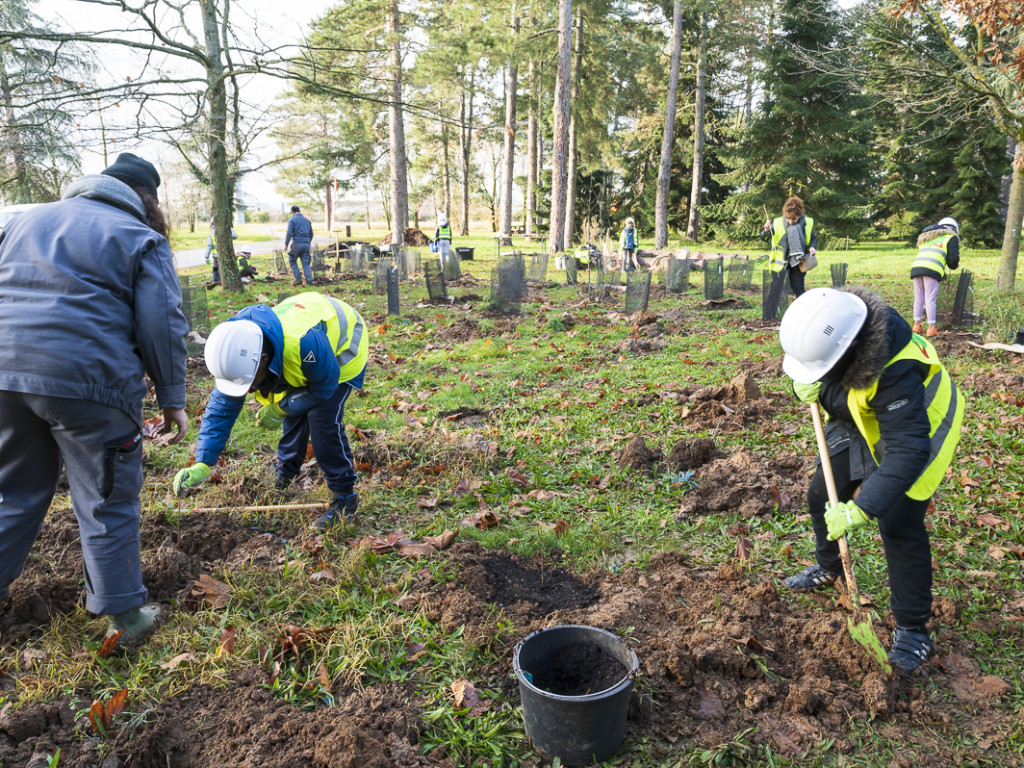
(485, 518)
(539, 494)
(993, 521)
(467, 697)
(295, 637)
(443, 541)
(408, 548)
(178, 660)
(213, 592)
(31, 656)
(109, 644)
(227, 640)
(102, 714)
(517, 478)
(427, 502)
(415, 651)
(744, 548)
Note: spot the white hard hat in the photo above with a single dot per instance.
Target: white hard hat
(233, 354)
(817, 330)
(949, 221)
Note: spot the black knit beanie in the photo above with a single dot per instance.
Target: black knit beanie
(132, 169)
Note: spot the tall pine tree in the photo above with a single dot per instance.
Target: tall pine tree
(811, 136)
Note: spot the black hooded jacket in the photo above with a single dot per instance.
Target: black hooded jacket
(899, 403)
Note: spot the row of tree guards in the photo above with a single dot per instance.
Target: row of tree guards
(512, 275)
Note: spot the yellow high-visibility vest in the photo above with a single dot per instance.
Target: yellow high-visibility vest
(778, 232)
(945, 414)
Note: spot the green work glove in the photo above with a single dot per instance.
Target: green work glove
(807, 393)
(843, 518)
(270, 416)
(190, 477)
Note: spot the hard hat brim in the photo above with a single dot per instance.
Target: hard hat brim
(232, 388)
(800, 372)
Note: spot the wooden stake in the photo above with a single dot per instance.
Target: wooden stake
(256, 508)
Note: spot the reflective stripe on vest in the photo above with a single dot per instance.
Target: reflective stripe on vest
(778, 232)
(945, 414)
(932, 255)
(445, 232)
(344, 327)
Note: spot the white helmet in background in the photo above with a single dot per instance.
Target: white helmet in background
(442, 219)
(233, 355)
(816, 331)
(949, 221)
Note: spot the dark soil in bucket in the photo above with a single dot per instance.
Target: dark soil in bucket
(577, 670)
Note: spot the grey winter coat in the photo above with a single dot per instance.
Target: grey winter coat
(89, 300)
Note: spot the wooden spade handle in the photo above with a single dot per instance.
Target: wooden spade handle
(833, 497)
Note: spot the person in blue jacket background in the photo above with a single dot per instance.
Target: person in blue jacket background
(302, 359)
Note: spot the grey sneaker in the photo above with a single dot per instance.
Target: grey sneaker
(811, 577)
(910, 647)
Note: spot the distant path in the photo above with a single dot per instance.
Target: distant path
(195, 257)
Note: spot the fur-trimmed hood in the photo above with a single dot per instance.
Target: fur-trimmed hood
(933, 233)
(884, 333)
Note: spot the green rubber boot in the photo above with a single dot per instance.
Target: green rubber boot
(136, 623)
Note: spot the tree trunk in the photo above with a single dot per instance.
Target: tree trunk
(560, 153)
(399, 184)
(329, 207)
(668, 135)
(465, 144)
(570, 192)
(1007, 275)
(221, 197)
(1006, 181)
(505, 225)
(531, 152)
(21, 191)
(693, 223)
(446, 202)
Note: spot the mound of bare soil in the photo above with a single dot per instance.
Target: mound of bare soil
(173, 556)
(749, 484)
(209, 728)
(413, 237)
(727, 407)
(722, 653)
(691, 454)
(636, 455)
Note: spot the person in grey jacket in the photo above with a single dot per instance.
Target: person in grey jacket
(89, 302)
(299, 235)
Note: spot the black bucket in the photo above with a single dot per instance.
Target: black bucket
(582, 729)
(465, 254)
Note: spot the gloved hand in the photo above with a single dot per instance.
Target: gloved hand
(808, 393)
(270, 416)
(207, 258)
(843, 518)
(190, 477)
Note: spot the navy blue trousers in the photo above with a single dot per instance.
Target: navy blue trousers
(324, 424)
(908, 552)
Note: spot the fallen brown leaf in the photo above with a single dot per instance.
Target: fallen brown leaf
(409, 548)
(102, 715)
(213, 592)
(227, 640)
(443, 541)
(415, 651)
(109, 644)
(467, 697)
(178, 660)
(482, 519)
(744, 548)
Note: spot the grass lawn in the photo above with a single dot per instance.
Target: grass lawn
(519, 434)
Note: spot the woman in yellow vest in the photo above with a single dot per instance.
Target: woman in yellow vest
(793, 239)
(301, 359)
(855, 355)
(938, 249)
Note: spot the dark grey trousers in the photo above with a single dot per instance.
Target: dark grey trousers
(101, 450)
